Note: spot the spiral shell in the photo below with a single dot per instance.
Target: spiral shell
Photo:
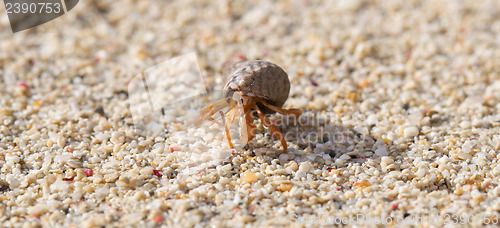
(259, 78)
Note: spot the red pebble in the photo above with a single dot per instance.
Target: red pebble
(174, 148)
(88, 172)
(23, 84)
(69, 179)
(158, 219)
(394, 206)
(240, 57)
(157, 172)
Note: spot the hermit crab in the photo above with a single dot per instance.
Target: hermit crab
(255, 86)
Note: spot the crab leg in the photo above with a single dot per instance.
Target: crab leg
(251, 127)
(247, 127)
(266, 122)
(292, 111)
(226, 125)
(210, 110)
(214, 120)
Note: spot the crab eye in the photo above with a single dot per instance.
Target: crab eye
(228, 100)
(241, 101)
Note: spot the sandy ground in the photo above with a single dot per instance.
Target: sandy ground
(401, 120)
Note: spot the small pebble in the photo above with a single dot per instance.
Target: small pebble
(38, 209)
(157, 173)
(410, 132)
(88, 172)
(285, 187)
(464, 156)
(381, 151)
(147, 171)
(344, 157)
(386, 161)
(293, 167)
(300, 174)
(139, 195)
(248, 177)
(305, 166)
(283, 157)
